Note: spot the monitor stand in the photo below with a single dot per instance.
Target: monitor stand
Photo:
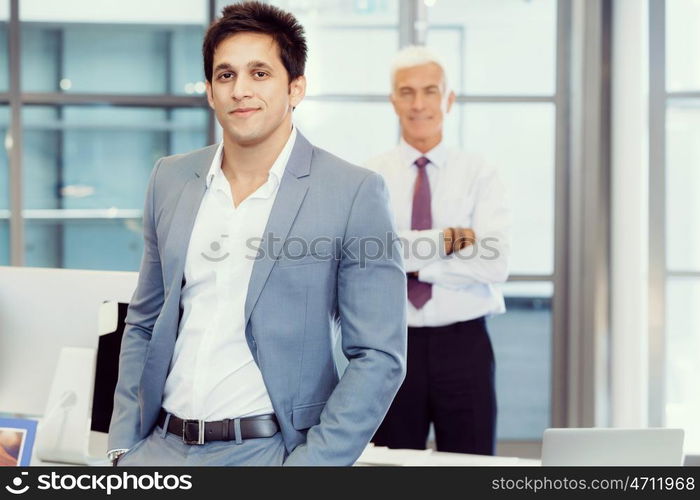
(63, 434)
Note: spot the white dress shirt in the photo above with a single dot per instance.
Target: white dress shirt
(212, 373)
(466, 193)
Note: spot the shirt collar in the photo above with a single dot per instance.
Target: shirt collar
(409, 154)
(276, 171)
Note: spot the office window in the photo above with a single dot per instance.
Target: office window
(683, 266)
(4, 187)
(85, 171)
(526, 167)
(683, 178)
(341, 36)
(355, 131)
(349, 43)
(4, 242)
(507, 47)
(4, 129)
(682, 352)
(111, 59)
(4, 160)
(86, 163)
(86, 46)
(84, 243)
(521, 341)
(675, 126)
(4, 66)
(682, 45)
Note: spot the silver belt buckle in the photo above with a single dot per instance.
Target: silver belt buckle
(200, 431)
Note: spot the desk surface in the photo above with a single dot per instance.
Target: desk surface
(380, 456)
(377, 456)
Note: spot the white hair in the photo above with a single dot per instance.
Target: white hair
(416, 55)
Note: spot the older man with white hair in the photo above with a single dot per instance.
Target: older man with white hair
(451, 213)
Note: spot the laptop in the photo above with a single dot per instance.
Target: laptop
(598, 446)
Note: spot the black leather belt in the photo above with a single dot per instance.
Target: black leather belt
(229, 429)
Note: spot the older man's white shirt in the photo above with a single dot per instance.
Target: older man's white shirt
(465, 192)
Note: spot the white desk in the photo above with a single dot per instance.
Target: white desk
(379, 455)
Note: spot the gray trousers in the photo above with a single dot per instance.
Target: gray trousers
(164, 449)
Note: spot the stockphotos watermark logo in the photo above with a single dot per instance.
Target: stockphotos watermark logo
(106, 483)
(18, 487)
(358, 249)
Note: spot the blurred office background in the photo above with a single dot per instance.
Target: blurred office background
(589, 108)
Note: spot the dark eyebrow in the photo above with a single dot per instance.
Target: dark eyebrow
(221, 66)
(250, 65)
(260, 65)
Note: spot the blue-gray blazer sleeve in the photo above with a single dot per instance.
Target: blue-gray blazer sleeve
(144, 309)
(372, 309)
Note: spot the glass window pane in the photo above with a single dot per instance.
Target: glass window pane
(163, 12)
(4, 160)
(490, 48)
(346, 51)
(4, 242)
(188, 129)
(683, 185)
(682, 354)
(526, 165)
(4, 187)
(683, 45)
(355, 131)
(92, 46)
(100, 157)
(340, 37)
(522, 344)
(114, 245)
(85, 172)
(4, 56)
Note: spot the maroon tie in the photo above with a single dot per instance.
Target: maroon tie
(419, 292)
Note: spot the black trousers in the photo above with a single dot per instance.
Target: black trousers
(449, 382)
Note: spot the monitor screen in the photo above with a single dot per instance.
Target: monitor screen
(106, 373)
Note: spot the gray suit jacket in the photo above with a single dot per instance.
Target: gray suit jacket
(348, 274)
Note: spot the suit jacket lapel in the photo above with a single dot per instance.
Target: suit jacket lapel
(290, 195)
(185, 215)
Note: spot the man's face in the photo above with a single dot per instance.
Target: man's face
(420, 101)
(249, 91)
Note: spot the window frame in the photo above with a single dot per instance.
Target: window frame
(659, 273)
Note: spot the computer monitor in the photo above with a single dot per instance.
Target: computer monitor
(42, 311)
(107, 370)
(604, 447)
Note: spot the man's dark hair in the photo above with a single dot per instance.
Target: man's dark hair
(257, 17)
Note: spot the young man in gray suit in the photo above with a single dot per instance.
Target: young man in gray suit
(254, 258)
